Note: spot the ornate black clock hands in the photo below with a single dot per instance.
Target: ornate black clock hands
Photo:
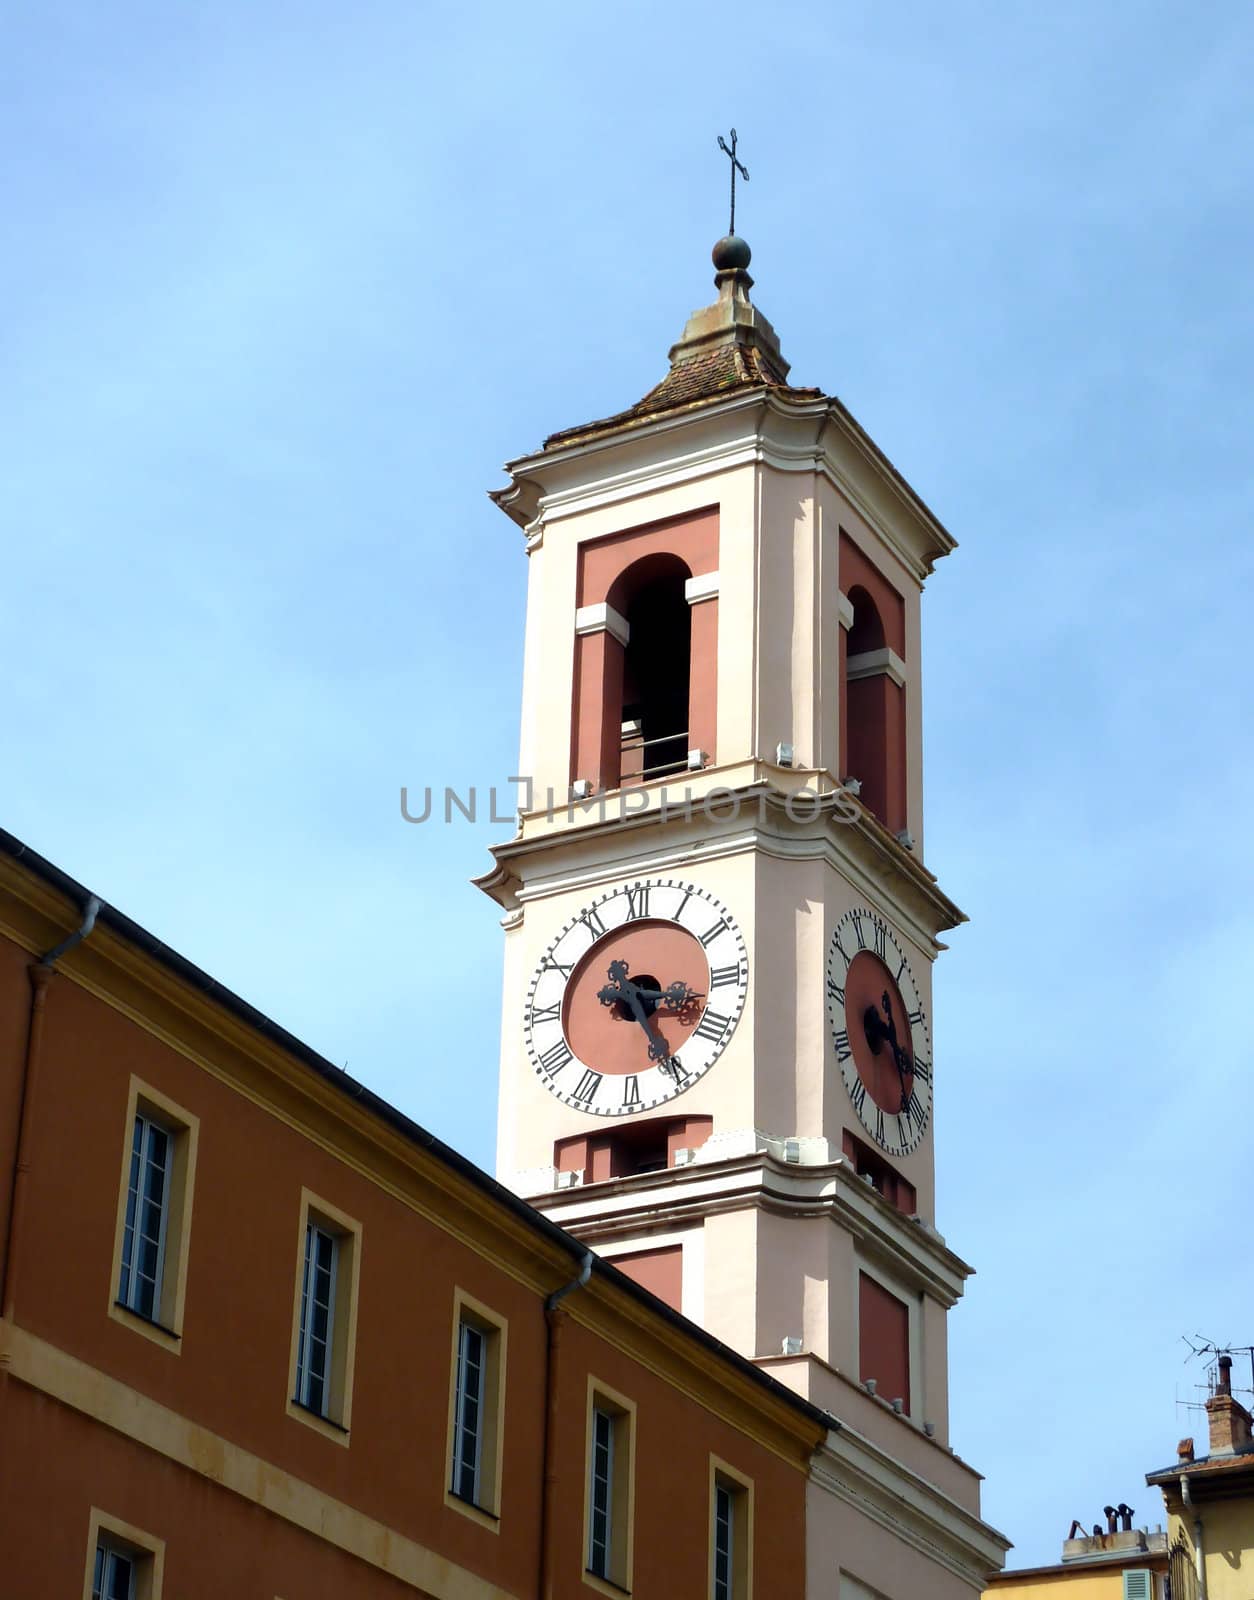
(641, 1004)
(882, 1030)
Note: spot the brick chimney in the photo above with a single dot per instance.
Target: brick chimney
(1230, 1422)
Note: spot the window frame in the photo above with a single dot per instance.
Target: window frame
(621, 1412)
(485, 1509)
(724, 1478)
(144, 1550)
(155, 1109)
(334, 1420)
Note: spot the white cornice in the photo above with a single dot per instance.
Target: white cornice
(853, 1469)
(790, 436)
(587, 854)
(623, 1206)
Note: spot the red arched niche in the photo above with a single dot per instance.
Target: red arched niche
(666, 676)
(873, 708)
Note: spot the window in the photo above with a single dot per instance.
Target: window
(149, 1278)
(147, 1211)
(611, 1424)
(317, 1319)
(731, 1533)
(476, 1410)
(884, 1340)
(114, 1577)
(324, 1318)
(123, 1563)
(468, 1420)
(601, 1521)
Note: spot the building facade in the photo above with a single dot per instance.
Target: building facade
(262, 1336)
(1117, 1562)
(1210, 1501)
(717, 1060)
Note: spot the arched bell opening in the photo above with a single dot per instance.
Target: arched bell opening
(657, 668)
(874, 714)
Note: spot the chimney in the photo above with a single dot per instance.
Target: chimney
(1184, 1450)
(1230, 1422)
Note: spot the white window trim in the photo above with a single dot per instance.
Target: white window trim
(485, 1509)
(146, 1552)
(166, 1327)
(334, 1423)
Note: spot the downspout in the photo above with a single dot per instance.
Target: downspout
(40, 974)
(1199, 1555)
(553, 1319)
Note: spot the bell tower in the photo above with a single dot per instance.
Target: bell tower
(717, 1062)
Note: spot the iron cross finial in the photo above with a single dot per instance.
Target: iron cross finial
(729, 150)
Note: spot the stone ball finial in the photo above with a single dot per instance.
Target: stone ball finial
(731, 253)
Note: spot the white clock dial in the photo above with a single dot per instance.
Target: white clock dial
(879, 1030)
(636, 997)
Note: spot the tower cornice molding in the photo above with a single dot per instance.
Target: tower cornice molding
(859, 1472)
(758, 428)
(677, 1196)
(542, 861)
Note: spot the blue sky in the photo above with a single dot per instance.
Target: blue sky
(284, 284)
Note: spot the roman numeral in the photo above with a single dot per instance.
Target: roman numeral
(881, 934)
(722, 975)
(915, 1111)
(922, 1069)
(713, 1025)
(674, 1069)
(900, 970)
(904, 1130)
(549, 964)
(586, 1088)
(555, 1057)
(708, 937)
(858, 1095)
(879, 1127)
(592, 921)
(545, 1014)
(843, 954)
(843, 1052)
(631, 1090)
(637, 902)
(857, 928)
(835, 992)
(683, 903)
(915, 1018)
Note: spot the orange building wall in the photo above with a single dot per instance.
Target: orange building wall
(232, 1371)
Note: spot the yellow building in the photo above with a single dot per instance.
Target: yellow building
(1119, 1563)
(1210, 1503)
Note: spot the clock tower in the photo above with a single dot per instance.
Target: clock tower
(717, 1058)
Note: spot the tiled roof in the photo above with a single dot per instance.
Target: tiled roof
(1241, 1460)
(710, 375)
(725, 348)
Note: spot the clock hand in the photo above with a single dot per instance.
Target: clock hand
(621, 990)
(883, 1030)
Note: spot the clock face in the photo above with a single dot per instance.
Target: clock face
(879, 1030)
(636, 997)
